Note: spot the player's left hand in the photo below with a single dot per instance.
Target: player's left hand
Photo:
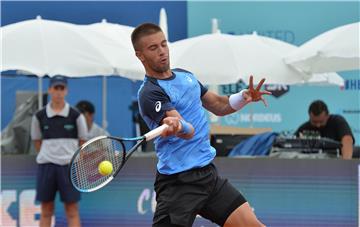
(255, 95)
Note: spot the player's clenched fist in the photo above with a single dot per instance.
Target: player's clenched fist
(174, 126)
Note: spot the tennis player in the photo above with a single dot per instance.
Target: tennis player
(187, 182)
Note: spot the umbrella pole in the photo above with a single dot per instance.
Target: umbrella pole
(40, 95)
(104, 90)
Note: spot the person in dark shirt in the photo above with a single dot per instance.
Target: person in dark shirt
(327, 125)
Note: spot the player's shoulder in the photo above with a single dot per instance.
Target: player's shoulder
(149, 85)
(184, 74)
(182, 70)
(151, 91)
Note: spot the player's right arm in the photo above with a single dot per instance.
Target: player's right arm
(36, 133)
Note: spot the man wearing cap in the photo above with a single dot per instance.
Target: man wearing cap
(57, 131)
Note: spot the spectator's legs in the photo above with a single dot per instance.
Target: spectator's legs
(47, 211)
(72, 214)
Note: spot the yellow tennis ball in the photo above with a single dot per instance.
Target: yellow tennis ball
(105, 168)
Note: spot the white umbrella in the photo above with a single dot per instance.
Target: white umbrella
(283, 49)
(332, 51)
(45, 47)
(114, 41)
(222, 58)
(326, 79)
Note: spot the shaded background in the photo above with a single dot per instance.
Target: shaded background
(282, 192)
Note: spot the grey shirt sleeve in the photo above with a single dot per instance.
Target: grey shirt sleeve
(81, 126)
(35, 129)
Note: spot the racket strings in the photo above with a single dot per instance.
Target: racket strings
(84, 170)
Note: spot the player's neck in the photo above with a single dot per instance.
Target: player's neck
(159, 75)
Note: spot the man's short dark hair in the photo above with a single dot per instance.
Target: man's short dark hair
(85, 107)
(317, 107)
(143, 30)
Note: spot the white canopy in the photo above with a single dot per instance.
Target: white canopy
(45, 47)
(333, 51)
(222, 58)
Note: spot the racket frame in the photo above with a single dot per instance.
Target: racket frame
(126, 154)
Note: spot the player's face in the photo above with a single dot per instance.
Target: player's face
(320, 120)
(58, 93)
(154, 52)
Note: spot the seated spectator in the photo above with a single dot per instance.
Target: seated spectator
(88, 110)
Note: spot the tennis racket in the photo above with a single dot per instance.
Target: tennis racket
(84, 166)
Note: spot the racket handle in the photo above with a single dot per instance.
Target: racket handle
(155, 132)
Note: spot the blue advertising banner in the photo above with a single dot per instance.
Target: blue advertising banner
(282, 193)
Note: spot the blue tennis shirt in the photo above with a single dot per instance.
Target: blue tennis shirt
(182, 92)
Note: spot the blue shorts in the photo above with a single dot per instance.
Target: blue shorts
(52, 178)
